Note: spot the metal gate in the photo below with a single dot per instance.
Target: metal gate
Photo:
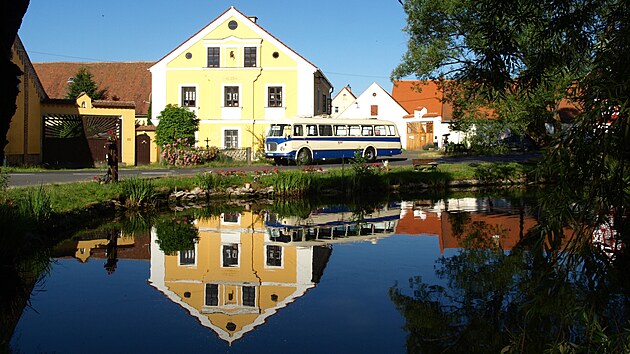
(75, 141)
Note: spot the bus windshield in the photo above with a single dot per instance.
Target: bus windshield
(276, 130)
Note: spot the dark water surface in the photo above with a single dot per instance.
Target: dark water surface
(335, 280)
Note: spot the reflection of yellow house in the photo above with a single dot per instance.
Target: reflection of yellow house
(238, 78)
(235, 277)
(64, 132)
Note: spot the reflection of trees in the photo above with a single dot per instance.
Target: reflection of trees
(176, 234)
(522, 302)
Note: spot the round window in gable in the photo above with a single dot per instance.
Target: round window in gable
(188, 55)
(232, 25)
(275, 55)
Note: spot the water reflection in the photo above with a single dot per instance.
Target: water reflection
(459, 272)
(245, 267)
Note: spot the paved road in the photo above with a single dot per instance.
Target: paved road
(50, 177)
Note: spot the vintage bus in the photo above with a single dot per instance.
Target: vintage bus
(304, 140)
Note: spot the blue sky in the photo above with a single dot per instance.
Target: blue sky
(352, 42)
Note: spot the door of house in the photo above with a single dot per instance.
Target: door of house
(143, 149)
(419, 134)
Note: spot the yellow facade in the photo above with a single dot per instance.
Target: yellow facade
(276, 71)
(25, 134)
(84, 106)
(233, 299)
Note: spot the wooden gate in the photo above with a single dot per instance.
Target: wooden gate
(75, 141)
(419, 134)
(143, 149)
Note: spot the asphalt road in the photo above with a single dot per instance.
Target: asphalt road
(52, 177)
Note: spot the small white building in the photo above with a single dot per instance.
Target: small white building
(377, 103)
(341, 101)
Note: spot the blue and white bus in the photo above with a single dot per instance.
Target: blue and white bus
(307, 139)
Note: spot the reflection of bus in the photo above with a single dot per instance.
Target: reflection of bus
(305, 140)
(333, 226)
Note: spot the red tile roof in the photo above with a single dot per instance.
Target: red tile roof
(414, 95)
(124, 81)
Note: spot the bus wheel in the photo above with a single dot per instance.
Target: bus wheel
(303, 157)
(369, 155)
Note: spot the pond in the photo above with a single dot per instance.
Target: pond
(418, 275)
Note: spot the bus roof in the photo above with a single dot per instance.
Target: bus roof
(371, 121)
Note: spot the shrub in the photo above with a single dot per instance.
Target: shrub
(181, 153)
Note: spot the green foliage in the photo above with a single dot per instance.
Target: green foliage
(516, 59)
(37, 205)
(290, 183)
(176, 123)
(182, 153)
(498, 173)
(83, 82)
(176, 234)
(137, 191)
(213, 181)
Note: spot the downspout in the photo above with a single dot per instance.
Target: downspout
(254, 102)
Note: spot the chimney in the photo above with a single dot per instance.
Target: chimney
(253, 18)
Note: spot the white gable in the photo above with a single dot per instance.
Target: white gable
(244, 20)
(386, 106)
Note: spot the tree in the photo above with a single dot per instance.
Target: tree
(10, 21)
(517, 59)
(176, 123)
(498, 53)
(82, 82)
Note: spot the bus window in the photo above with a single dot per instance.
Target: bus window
(276, 130)
(341, 130)
(311, 130)
(355, 130)
(391, 130)
(380, 130)
(298, 130)
(325, 130)
(366, 130)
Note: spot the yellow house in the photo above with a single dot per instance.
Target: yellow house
(238, 78)
(236, 276)
(64, 132)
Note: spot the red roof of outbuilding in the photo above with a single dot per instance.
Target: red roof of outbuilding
(124, 81)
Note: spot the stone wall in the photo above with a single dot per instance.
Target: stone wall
(238, 154)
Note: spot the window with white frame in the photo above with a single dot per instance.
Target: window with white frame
(250, 57)
(231, 96)
(230, 139)
(214, 55)
(274, 256)
(189, 96)
(187, 257)
(274, 96)
(249, 296)
(230, 255)
(212, 294)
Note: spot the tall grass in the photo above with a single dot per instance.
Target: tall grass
(290, 183)
(137, 191)
(37, 205)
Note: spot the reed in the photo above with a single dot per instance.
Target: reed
(137, 191)
(37, 205)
